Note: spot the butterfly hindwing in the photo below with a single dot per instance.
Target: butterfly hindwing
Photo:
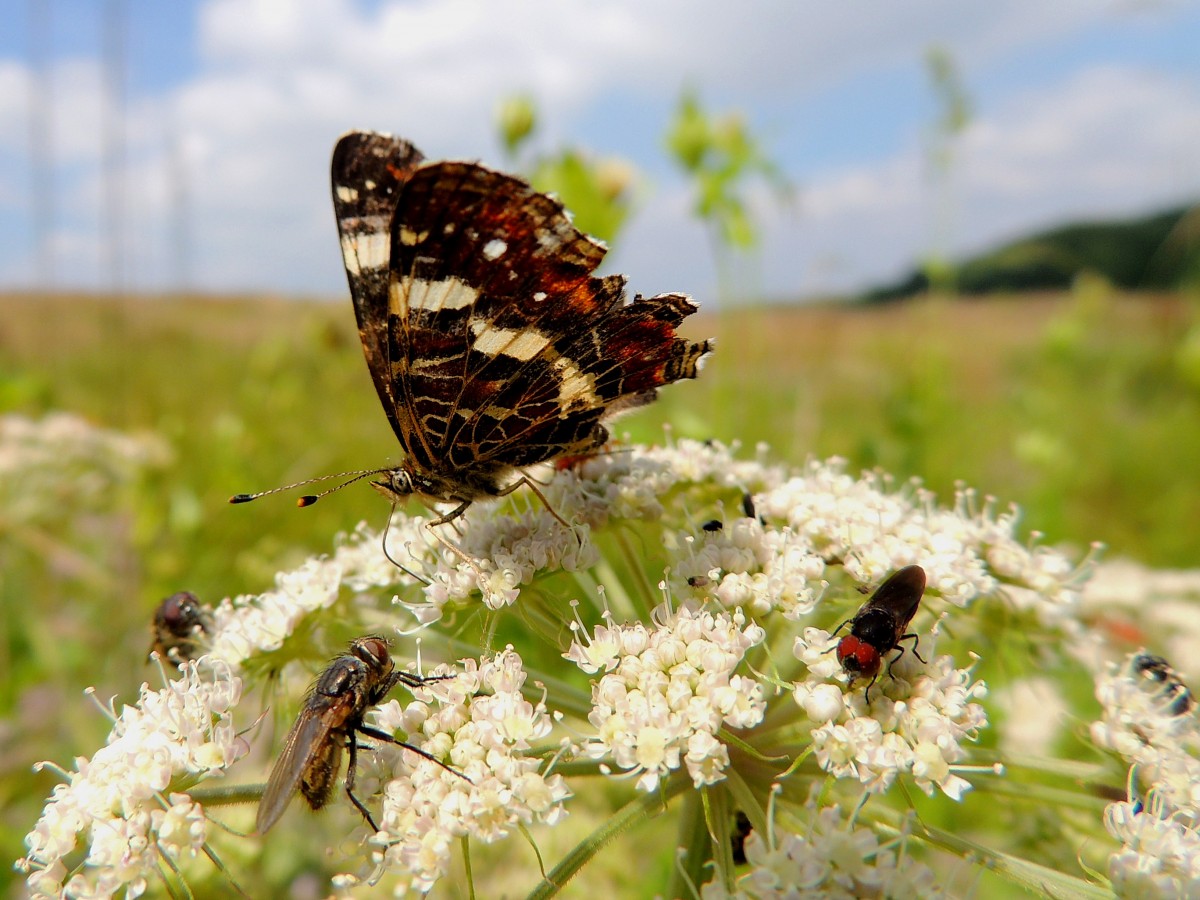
(530, 351)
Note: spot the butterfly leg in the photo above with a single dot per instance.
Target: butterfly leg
(449, 517)
(532, 485)
(453, 548)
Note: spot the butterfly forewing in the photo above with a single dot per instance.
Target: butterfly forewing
(484, 268)
(367, 173)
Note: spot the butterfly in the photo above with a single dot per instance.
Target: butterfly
(491, 344)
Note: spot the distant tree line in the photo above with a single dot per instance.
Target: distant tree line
(1160, 252)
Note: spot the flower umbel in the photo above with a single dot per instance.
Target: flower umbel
(61, 464)
(128, 803)
(832, 858)
(1149, 720)
(668, 689)
(479, 723)
(916, 724)
(721, 684)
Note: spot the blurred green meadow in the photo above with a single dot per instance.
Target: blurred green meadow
(1081, 407)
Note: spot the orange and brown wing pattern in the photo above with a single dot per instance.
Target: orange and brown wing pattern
(504, 347)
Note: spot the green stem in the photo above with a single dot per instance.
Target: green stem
(695, 842)
(634, 563)
(636, 810)
(1033, 877)
(465, 844)
(227, 794)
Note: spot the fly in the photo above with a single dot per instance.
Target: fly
(331, 716)
(179, 622)
(879, 625)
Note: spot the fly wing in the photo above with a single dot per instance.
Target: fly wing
(901, 595)
(307, 739)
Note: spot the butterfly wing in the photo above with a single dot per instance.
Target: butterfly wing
(504, 346)
(367, 172)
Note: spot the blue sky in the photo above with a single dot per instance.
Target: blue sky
(1081, 109)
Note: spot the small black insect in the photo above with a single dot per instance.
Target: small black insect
(1179, 699)
(178, 622)
(331, 716)
(713, 525)
(741, 830)
(748, 506)
(878, 626)
(699, 581)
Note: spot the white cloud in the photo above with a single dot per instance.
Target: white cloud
(279, 79)
(1106, 142)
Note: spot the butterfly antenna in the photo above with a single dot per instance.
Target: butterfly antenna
(310, 499)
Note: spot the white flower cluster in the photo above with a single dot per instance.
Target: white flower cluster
(1160, 856)
(876, 529)
(745, 564)
(666, 692)
(818, 514)
(249, 625)
(478, 722)
(508, 551)
(504, 551)
(1150, 720)
(117, 800)
(496, 554)
(832, 860)
(668, 689)
(811, 516)
(260, 623)
(918, 717)
(63, 463)
(1159, 603)
(1147, 711)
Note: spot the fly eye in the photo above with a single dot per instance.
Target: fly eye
(376, 649)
